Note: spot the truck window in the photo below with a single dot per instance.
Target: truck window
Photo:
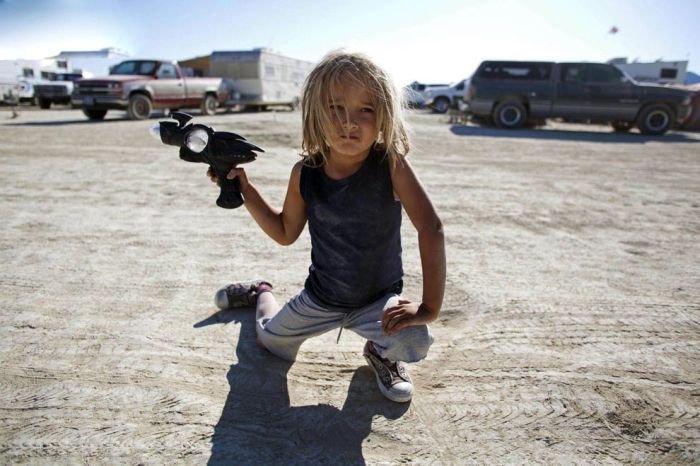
(27, 72)
(571, 73)
(516, 70)
(167, 70)
(594, 72)
(143, 68)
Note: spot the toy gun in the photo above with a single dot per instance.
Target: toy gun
(202, 144)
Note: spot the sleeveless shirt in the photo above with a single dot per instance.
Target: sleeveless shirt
(355, 229)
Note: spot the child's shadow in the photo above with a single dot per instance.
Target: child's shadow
(258, 425)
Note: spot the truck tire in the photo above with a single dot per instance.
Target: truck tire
(510, 114)
(655, 120)
(95, 114)
(140, 107)
(209, 105)
(44, 103)
(441, 105)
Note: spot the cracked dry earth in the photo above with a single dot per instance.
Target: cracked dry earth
(569, 333)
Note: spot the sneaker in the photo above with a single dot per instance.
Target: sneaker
(240, 294)
(392, 377)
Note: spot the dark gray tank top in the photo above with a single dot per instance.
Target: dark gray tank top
(355, 228)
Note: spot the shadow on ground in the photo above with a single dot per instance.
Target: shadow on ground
(258, 425)
(569, 135)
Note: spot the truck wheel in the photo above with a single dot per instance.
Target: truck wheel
(209, 105)
(44, 103)
(509, 114)
(441, 105)
(140, 107)
(655, 120)
(95, 114)
(621, 126)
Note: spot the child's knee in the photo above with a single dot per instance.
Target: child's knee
(410, 345)
(283, 347)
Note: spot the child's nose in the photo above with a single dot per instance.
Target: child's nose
(349, 123)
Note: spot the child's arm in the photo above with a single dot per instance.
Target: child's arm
(283, 226)
(431, 242)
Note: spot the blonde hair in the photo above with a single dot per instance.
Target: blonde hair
(317, 117)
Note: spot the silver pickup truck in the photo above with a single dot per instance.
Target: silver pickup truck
(140, 86)
(511, 93)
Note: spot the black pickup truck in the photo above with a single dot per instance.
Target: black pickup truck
(513, 93)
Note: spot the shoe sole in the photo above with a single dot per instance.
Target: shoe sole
(385, 391)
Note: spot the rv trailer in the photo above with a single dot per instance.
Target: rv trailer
(260, 78)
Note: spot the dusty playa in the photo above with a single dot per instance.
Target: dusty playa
(569, 333)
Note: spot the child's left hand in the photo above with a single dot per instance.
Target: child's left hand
(404, 314)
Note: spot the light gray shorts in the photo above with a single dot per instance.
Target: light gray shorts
(302, 318)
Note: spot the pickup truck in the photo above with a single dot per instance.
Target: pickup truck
(140, 86)
(414, 93)
(512, 93)
(441, 98)
(57, 91)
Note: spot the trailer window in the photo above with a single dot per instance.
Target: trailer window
(669, 73)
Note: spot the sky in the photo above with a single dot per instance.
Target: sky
(433, 41)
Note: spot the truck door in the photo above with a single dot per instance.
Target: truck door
(169, 91)
(569, 100)
(594, 91)
(608, 93)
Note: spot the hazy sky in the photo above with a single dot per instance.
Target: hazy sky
(429, 40)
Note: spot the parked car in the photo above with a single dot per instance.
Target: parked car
(140, 86)
(441, 98)
(414, 93)
(56, 91)
(511, 93)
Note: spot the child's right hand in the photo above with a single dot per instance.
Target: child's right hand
(234, 173)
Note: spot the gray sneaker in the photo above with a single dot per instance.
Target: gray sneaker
(240, 294)
(392, 377)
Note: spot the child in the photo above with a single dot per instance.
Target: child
(350, 187)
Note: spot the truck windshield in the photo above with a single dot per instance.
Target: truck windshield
(68, 77)
(143, 68)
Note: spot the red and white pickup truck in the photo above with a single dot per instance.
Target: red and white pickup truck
(140, 86)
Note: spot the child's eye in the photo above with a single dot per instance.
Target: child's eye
(367, 109)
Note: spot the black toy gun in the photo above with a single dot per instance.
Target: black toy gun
(201, 143)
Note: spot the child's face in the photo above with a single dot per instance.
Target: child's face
(354, 128)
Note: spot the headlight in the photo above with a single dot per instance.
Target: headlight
(687, 101)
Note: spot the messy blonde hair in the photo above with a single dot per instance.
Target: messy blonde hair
(317, 117)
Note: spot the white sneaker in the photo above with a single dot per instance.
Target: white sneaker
(392, 377)
(239, 294)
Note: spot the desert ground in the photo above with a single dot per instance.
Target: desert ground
(569, 334)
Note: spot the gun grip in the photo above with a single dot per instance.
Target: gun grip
(230, 196)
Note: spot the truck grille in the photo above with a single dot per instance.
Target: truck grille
(51, 90)
(96, 88)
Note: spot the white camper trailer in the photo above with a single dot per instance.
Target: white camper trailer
(659, 72)
(260, 78)
(94, 62)
(17, 77)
